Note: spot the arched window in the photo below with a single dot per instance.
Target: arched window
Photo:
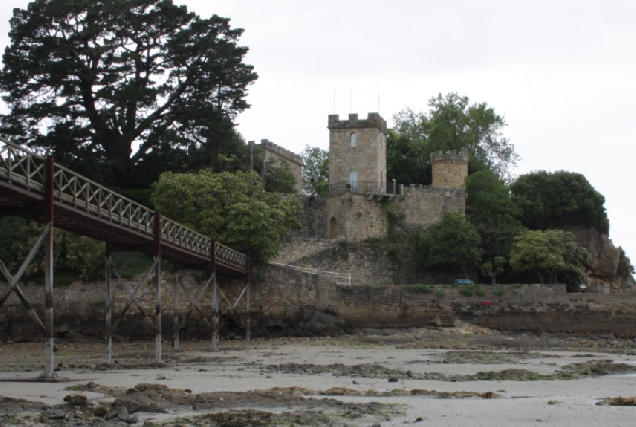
(334, 228)
(353, 180)
(353, 139)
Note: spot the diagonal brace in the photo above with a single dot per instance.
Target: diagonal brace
(133, 298)
(22, 298)
(233, 307)
(13, 280)
(195, 303)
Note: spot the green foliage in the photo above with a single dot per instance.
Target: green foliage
(625, 267)
(492, 269)
(499, 292)
(550, 251)
(75, 257)
(130, 264)
(439, 293)
(466, 291)
(491, 210)
(480, 292)
(452, 123)
(453, 242)
(90, 81)
(232, 208)
(421, 288)
(280, 178)
(316, 168)
(559, 199)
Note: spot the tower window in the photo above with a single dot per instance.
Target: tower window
(353, 139)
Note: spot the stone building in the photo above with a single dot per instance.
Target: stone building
(279, 155)
(359, 189)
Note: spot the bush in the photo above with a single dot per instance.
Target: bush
(421, 288)
(480, 292)
(466, 291)
(499, 292)
(440, 294)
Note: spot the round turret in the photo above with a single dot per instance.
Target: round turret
(450, 169)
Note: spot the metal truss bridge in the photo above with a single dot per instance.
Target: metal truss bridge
(37, 188)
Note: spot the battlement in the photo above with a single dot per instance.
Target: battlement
(270, 147)
(374, 120)
(449, 156)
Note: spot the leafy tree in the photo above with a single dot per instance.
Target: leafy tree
(550, 251)
(407, 159)
(559, 199)
(492, 269)
(280, 178)
(118, 86)
(315, 170)
(454, 124)
(232, 208)
(452, 242)
(491, 210)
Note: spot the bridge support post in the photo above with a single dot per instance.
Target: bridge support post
(157, 230)
(109, 308)
(176, 308)
(49, 344)
(215, 299)
(248, 332)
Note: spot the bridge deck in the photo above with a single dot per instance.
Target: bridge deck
(87, 208)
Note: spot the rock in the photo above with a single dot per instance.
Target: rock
(78, 399)
(56, 414)
(393, 379)
(161, 377)
(123, 415)
(187, 390)
(44, 418)
(100, 411)
(90, 385)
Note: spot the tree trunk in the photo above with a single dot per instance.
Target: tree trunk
(493, 279)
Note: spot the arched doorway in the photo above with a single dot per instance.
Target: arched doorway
(334, 228)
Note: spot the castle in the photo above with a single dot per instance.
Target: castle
(354, 210)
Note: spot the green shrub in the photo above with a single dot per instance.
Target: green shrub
(499, 292)
(480, 292)
(439, 294)
(466, 291)
(421, 288)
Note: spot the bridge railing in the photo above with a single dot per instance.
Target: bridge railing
(24, 167)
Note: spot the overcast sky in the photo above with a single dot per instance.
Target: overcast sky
(563, 73)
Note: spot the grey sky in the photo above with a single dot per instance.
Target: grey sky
(562, 72)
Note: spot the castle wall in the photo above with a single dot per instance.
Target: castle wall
(357, 217)
(423, 206)
(368, 157)
(449, 169)
(313, 218)
(278, 155)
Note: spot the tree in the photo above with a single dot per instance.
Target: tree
(454, 124)
(232, 208)
(111, 86)
(492, 269)
(559, 199)
(550, 251)
(452, 242)
(491, 210)
(315, 170)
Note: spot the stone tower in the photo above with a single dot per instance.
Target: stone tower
(450, 169)
(357, 150)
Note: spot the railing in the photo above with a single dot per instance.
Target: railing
(23, 167)
(341, 278)
(363, 187)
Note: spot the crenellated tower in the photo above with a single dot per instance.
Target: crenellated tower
(357, 149)
(450, 169)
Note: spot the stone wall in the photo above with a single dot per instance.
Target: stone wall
(279, 154)
(358, 216)
(422, 206)
(313, 218)
(368, 157)
(294, 249)
(449, 169)
(289, 302)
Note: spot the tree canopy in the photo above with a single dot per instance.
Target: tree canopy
(452, 123)
(452, 242)
(557, 200)
(491, 210)
(315, 170)
(116, 87)
(232, 208)
(552, 252)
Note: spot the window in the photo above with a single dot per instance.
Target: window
(353, 139)
(353, 180)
